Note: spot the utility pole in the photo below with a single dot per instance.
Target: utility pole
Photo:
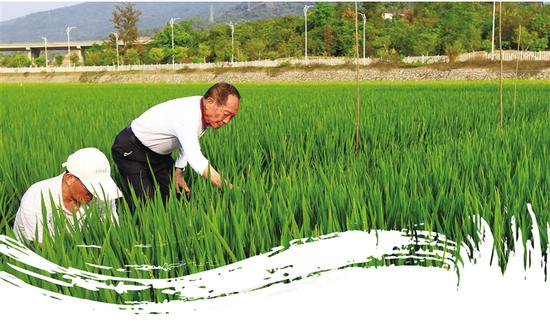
(46, 49)
(518, 56)
(211, 19)
(500, 54)
(172, 20)
(364, 29)
(232, 40)
(305, 35)
(493, 34)
(68, 30)
(116, 39)
(357, 81)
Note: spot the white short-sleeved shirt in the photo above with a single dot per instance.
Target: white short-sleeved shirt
(28, 220)
(175, 124)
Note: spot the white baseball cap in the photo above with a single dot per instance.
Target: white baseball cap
(92, 168)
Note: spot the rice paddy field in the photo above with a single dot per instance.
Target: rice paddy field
(431, 156)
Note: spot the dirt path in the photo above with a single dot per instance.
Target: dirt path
(273, 75)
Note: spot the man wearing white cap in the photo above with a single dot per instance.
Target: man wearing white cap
(88, 177)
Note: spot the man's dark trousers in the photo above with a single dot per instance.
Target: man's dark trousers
(135, 162)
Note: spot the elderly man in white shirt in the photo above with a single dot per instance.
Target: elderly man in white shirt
(87, 179)
(142, 150)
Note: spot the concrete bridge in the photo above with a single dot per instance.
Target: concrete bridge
(34, 49)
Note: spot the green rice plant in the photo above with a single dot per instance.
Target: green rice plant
(430, 157)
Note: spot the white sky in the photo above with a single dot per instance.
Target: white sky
(12, 10)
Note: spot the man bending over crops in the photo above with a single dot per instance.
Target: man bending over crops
(142, 150)
(87, 178)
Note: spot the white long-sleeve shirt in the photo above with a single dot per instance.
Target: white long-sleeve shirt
(29, 220)
(171, 125)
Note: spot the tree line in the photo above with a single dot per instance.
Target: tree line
(392, 30)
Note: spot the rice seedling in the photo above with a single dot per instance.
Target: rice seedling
(430, 156)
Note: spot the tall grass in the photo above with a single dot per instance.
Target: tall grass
(430, 156)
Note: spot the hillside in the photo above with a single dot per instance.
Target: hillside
(92, 19)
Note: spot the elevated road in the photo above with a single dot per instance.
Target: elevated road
(34, 49)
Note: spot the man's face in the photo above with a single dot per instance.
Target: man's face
(79, 191)
(219, 115)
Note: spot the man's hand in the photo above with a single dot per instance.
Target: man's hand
(181, 184)
(215, 177)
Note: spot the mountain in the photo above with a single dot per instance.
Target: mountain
(93, 19)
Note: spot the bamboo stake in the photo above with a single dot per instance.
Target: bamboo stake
(517, 67)
(357, 81)
(500, 45)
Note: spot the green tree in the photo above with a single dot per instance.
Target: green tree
(204, 51)
(20, 60)
(58, 59)
(240, 55)
(539, 22)
(156, 55)
(402, 40)
(255, 48)
(132, 57)
(453, 51)
(321, 15)
(183, 36)
(125, 18)
(460, 26)
(75, 61)
(222, 50)
(530, 40)
(321, 38)
(108, 57)
(425, 42)
(328, 40)
(93, 55)
(92, 58)
(4, 60)
(40, 61)
(181, 54)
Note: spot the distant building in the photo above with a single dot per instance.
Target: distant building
(389, 15)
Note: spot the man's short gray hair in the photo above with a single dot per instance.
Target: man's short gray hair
(220, 91)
